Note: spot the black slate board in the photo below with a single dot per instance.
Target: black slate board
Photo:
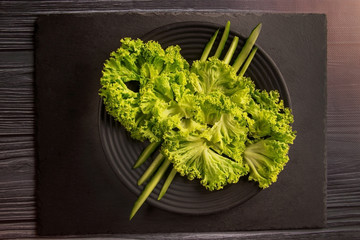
(77, 191)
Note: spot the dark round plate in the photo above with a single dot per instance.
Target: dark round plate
(184, 196)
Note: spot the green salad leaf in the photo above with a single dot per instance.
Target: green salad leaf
(127, 75)
(266, 158)
(193, 156)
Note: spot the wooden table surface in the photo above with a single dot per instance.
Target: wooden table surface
(17, 111)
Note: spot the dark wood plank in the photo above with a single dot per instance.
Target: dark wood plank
(17, 111)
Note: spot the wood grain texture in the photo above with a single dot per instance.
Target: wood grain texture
(17, 111)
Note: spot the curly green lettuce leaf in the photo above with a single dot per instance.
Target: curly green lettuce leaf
(192, 156)
(155, 61)
(130, 68)
(269, 118)
(119, 99)
(242, 94)
(226, 122)
(170, 102)
(214, 75)
(266, 159)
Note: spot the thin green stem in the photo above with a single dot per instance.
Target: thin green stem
(223, 40)
(146, 153)
(247, 62)
(247, 47)
(231, 50)
(167, 183)
(208, 47)
(151, 169)
(149, 188)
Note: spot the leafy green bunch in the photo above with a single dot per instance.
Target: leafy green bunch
(211, 121)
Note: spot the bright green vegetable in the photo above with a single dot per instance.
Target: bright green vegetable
(266, 159)
(169, 101)
(270, 119)
(213, 124)
(231, 50)
(224, 37)
(247, 62)
(247, 47)
(146, 153)
(208, 47)
(151, 169)
(130, 69)
(194, 157)
(149, 188)
(167, 183)
(214, 75)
